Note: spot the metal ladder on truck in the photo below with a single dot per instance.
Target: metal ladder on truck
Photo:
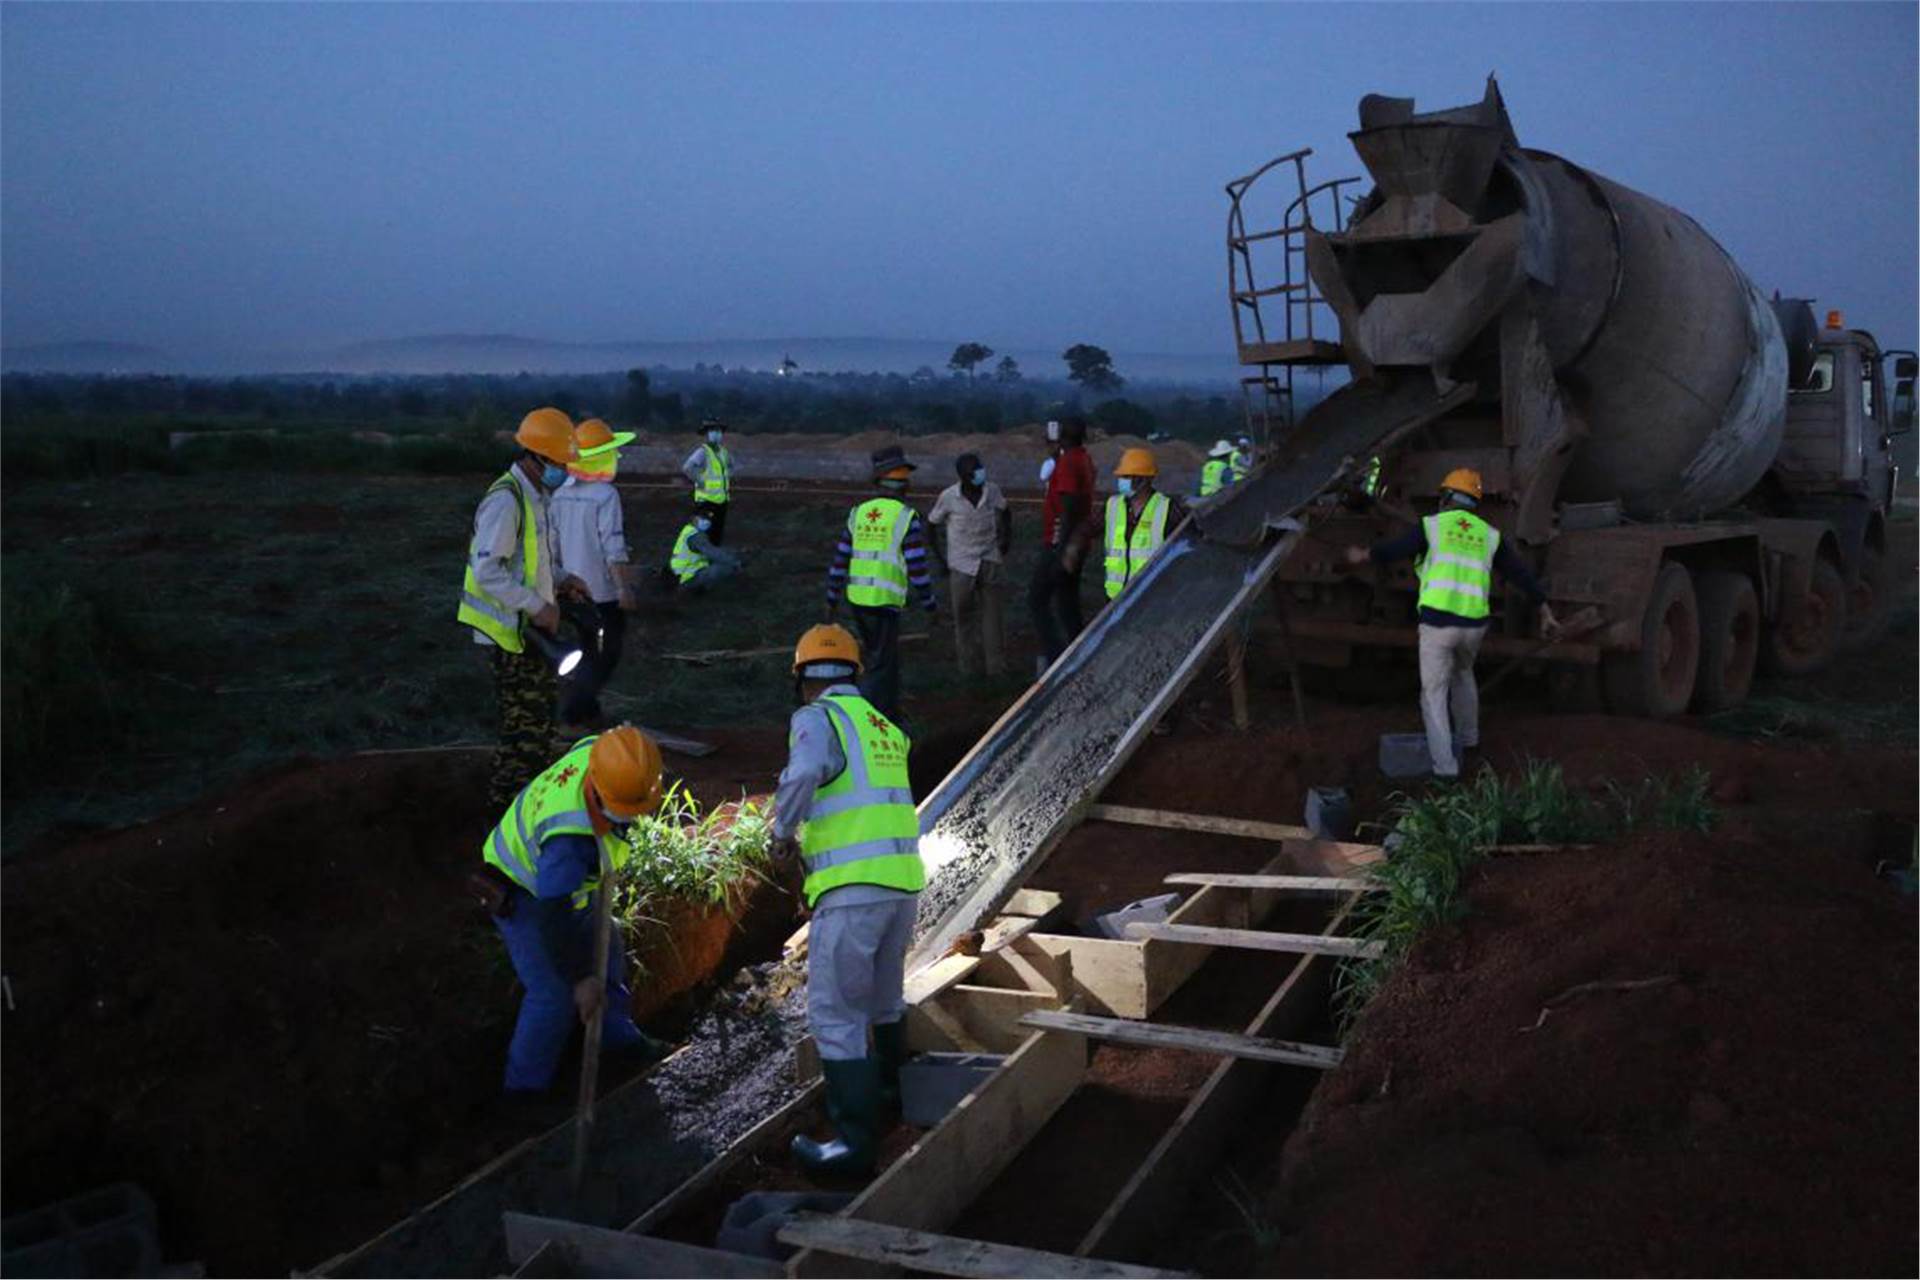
(1268, 396)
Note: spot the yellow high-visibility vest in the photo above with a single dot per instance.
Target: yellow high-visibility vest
(493, 619)
(1456, 573)
(862, 828)
(1128, 553)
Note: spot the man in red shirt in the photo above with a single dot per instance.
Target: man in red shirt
(1066, 522)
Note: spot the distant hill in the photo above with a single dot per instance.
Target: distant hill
(513, 353)
(86, 357)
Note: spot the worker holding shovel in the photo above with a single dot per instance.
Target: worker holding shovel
(541, 881)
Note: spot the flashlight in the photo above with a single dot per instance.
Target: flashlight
(563, 657)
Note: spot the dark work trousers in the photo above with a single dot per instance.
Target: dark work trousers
(1054, 600)
(880, 652)
(580, 692)
(523, 687)
(716, 512)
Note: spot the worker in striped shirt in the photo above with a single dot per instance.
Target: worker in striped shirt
(882, 554)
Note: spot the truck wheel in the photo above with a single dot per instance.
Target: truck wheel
(1803, 639)
(1657, 680)
(1729, 640)
(1869, 602)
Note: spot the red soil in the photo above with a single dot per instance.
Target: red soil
(278, 1010)
(1754, 1116)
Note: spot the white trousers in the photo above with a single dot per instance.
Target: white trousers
(1449, 698)
(856, 968)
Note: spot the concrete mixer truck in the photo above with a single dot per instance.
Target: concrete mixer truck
(1699, 471)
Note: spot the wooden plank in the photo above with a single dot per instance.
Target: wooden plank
(596, 1251)
(1160, 1036)
(1246, 828)
(1293, 884)
(1110, 973)
(1258, 940)
(931, 1029)
(1038, 903)
(904, 1249)
(938, 976)
(940, 1175)
(992, 1014)
(1005, 931)
(768, 1131)
(1179, 1162)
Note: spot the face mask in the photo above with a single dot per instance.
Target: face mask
(703, 524)
(553, 477)
(1126, 486)
(713, 437)
(1053, 432)
(979, 475)
(1046, 470)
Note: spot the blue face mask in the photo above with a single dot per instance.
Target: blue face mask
(979, 475)
(553, 477)
(713, 437)
(703, 524)
(1126, 486)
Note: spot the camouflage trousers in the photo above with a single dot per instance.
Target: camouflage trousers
(523, 694)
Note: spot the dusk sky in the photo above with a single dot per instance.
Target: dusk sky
(227, 178)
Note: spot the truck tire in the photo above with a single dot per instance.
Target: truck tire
(1729, 640)
(1657, 679)
(1869, 602)
(1806, 635)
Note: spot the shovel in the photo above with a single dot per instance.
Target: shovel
(1579, 626)
(590, 1060)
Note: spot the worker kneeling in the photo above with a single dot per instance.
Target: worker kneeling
(1137, 519)
(563, 831)
(845, 808)
(699, 564)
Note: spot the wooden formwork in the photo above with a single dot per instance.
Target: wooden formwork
(1037, 990)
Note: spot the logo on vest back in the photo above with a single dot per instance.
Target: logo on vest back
(878, 721)
(566, 775)
(873, 515)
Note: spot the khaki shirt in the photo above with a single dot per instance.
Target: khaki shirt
(973, 532)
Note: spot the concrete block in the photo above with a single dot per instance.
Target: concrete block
(112, 1231)
(932, 1084)
(1330, 813)
(1404, 755)
(1155, 910)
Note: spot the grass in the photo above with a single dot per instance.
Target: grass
(1438, 838)
(1806, 716)
(682, 854)
(168, 634)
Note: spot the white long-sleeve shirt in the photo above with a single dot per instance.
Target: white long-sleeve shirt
(589, 535)
(495, 550)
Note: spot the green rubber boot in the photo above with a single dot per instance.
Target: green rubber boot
(853, 1108)
(890, 1048)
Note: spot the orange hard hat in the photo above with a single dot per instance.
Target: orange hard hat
(1463, 480)
(1137, 462)
(594, 438)
(827, 642)
(549, 433)
(624, 767)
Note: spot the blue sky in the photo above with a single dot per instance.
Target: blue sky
(237, 177)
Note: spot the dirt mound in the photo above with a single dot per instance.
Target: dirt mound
(277, 1011)
(1753, 1113)
(939, 450)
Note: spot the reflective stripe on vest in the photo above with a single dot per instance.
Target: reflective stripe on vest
(686, 561)
(717, 479)
(553, 804)
(1213, 477)
(862, 828)
(1128, 553)
(1242, 463)
(1371, 485)
(478, 609)
(877, 576)
(1456, 573)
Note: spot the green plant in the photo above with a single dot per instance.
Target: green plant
(681, 853)
(1261, 1231)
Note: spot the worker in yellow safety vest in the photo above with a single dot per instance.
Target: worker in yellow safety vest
(709, 469)
(1457, 554)
(1241, 463)
(1138, 519)
(1216, 471)
(510, 588)
(844, 810)
(881, 555)
(542, 865)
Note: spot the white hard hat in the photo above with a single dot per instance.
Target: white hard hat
(1221, 448)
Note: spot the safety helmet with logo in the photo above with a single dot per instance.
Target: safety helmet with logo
(827, 651)
(624, 768)
(1222, 448)
(1137, 462)
(549, 433)
(1463, 480)
(594, 438)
